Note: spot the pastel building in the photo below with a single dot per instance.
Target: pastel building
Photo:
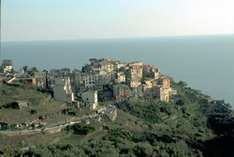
(162, 93)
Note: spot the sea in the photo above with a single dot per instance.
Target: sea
(204, 62)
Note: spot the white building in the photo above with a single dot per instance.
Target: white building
(62, 90)
(90, 79)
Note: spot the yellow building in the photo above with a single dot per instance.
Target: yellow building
(162, 93)
(120, 77)
(147, 84)
(119, 65)
(134, 83)
(137, 63)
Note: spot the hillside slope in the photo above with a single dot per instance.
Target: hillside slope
(192, 124)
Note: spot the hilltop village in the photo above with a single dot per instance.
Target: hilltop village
(52, 113)
(99, 81)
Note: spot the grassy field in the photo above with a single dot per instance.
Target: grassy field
(40, 103)
(42, 109)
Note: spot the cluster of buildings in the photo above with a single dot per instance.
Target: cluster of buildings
(6, 66)
(100, 80)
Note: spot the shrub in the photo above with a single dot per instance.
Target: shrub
(33, 111)
(82, 129)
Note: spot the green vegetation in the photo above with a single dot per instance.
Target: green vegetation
(81, 129)
(41, 108)
(72, 111)
(33, 111)
(9, 94)
(192, 124)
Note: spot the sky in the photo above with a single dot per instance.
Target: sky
(26, 20)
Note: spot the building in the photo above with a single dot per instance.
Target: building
(52, 81)
(151, 71)
(41, 79)
(134, 83)
(135, 73)
(55, 73)
(137, 92)
(62, 90)
(39, 74)
(120, 77)
(31, 80)
(162, 93)
(65, 72)
(119, 65)
(41, 82)
(76, 79)
(105, 77)
(156, 75)
(147, 84)
(103, 64)
(148, 68)
(121, 92)
(6, 66)
(107, 66)
(136, 64)
(104, 92)
(90, 98)
(172, 91)
(90, 79)
(165, 82)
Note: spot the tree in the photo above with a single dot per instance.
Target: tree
(25, 68)
(182, 83)
(86, 68)
(33, 69)
(82, 129)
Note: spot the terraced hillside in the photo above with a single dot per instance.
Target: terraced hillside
(192, 124)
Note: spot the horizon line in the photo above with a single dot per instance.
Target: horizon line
(114, 38)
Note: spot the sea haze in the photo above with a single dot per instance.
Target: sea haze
(204, 62)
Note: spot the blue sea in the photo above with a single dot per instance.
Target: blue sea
(206, 63)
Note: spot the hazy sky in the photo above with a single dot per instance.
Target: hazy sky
(85, 19)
